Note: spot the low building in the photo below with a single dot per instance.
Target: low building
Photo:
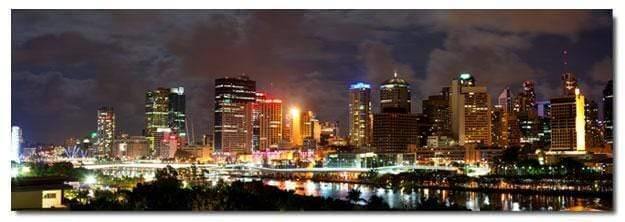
(131, 147)
(37, 193)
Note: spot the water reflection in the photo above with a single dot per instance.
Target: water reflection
(474, 201)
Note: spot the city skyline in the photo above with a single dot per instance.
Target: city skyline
(48, 77)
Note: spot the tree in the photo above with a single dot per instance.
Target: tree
(354, 195)
(377, 203)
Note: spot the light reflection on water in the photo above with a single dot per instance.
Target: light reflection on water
(472, 200)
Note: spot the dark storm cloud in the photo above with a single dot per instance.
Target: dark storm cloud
(67, 63)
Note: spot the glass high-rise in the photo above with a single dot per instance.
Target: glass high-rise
(608, 96)
(233, 128)
(360, 115)
(470, 111)
(105, 133)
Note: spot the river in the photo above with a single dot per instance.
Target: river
(474, 201)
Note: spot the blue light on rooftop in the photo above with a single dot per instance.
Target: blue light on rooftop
(465, 76)
(360, 85)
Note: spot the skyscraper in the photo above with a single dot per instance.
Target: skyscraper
(436, 110)
(177, 114)
(156, 117)
(296, 127)
(234, 98)
(16, 143)
(505, 100)
(105, 133)
(393, 132)
(329, 131)
(268, 122)
(608, 96)
(395, 95)
(360, 115)
(594, 132)
(470, 111)
(395, 128)
(568, 123)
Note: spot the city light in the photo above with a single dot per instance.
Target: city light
(294, 111)
(90, 180)
(340, 140)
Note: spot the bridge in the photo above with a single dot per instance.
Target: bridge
(132, 168)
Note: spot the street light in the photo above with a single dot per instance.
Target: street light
(90, 179)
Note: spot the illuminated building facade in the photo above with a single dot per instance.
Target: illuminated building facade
(296, 127)
(395, 95)
(329, 131)
(393, 132)
(105, 131)
(544, 119)
(568, 123)
(594, 131)
(505, 124)
(16, 143)
(268, 123)
(505, 100)
(436, 110)
(470, 111)
(499, 129)
(395, 128)
(608, 96)
(131, 147)
(526, 112)
(234, 99)
(177, 114)
(156, 116)
(360, 115)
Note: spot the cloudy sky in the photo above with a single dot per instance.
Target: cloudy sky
(66, 64)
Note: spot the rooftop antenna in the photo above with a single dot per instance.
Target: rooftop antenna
(395, 73)
(565, 60)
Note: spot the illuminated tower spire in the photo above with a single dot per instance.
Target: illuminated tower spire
(569, 82)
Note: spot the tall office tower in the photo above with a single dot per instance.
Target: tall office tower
(306, 124)
(608, 96)
(395, 95)
(470, 111)
(500, 131)
(156, 117)
(526, 111)
(436, 110)
(234, 99)
(360, 115)
(310, 130)
(176, 116)
(395, 128)
(256, 121)
(393, 132)
(329, 131)
(506, 121)
(544, 119)
(526, 101)
(568, 123)
(16, 143)
(594, 132)
(105, 131)
(296, 127)
(268, 122)
(505, 100)
(286, 128)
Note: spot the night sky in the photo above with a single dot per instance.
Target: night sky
(66, 64)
